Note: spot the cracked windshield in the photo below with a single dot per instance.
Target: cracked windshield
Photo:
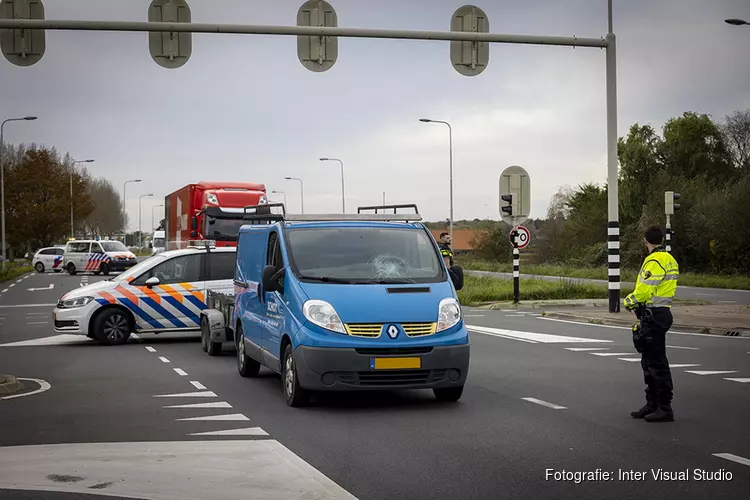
(356, 250)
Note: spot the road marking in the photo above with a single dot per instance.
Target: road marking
(163, 359)
(545, 403)
(134, 336)
(577, 349)
(29, 305)
(216, 404)
(632, 360)
(710, 372)
(706, 294)
(515, 315)
(611, 353)
(150, 349)
(180, 372)
(740, 380)
(681, 347)
(50, 287)
(249, 431)
(11, 285)
(198, 385)
(232, 417)
(733, 458)
(37, 322)
(630, 328)
(4, 291)
(508, 310)
(36, 314)
(18, 281)
(202, 394)
(64, 339)
(532, 337)
(44, 386)
(473, 315)
(682, 366)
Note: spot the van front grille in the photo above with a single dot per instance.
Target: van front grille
(369, 330)
(419, 329)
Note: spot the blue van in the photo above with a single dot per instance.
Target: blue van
(348, 302)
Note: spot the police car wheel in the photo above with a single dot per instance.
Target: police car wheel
(39, 267)
(112, 327)
(450, 394)
(294, 393)
(246, 365)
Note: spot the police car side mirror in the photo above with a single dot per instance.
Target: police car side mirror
(457, 276)
(152, 282)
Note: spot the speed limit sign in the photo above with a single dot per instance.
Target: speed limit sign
(524, 237)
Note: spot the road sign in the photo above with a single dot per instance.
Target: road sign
(22, 47)
(516, 183)
(524, 237)
(170, 50)
(317, 53)
(470, 58)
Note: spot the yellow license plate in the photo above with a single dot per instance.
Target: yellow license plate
(395, 363)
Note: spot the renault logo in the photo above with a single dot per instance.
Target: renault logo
(392, 331)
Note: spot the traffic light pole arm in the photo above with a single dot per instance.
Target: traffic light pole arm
(249, 29)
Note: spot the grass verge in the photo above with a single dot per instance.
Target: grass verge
(479, 289)
(14, 270)
(736, 281)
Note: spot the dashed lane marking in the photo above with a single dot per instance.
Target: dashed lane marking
(577, 349)
(198, 385)
(231, 417)
(150, 349)
(629, 328)
(710, 372)
(202, 394)
(682, 347)
(632, 360)
(611, 353)
(683, 365)
(248, 431)
(740, 380)
(734, 458)
(11, 285)
(180, 372)
(163, 359)
(545, 403)
(543, 338)
(216, 404)
(37, 322)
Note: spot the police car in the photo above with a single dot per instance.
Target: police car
(50, 258)
(97, 256)
(161, 294)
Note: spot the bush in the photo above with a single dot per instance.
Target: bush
(15, 270)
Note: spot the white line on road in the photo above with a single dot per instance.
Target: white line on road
(202, 394)
(4, 291)
(11, 285)
(515, 315)
(250, 431)
(44, 386)
(611, 353)
(577, 349)
(630, 328)
(710, 372)
(681, 347)
(37, 322)
(531, 336)
(232, 417)
(18, 281)
(163, 359)
(740, 380)
(545, 403)
(150, 349)
(30, 305)
(134, 336)
(198, 385)
(733, 458)
(180, 372)
(632, 360)
(37, 314)
(217, 404)
(683, 366)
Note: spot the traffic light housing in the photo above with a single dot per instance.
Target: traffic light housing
(669, 202)
(507, 209)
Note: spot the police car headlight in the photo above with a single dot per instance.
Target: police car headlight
(449, 314)
(73, 303)
(324, 315)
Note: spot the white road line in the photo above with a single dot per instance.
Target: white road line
(681, 347)
(545, 403)
(198, 385)
(577, 349)
(249, 431)
(18, 281)
(150, 349)
(163, 359)
(733, 458)
(134, 336)
(740, 380)
(202, 394)
(533, 337)
(515, 315)
(611, 353)
(4, 291)
(710, 372)
(28, 305)
(37, 322)
(44, 386)
(473, 315)
(630, 328)
(471, 329)
(231, 417)
(508, 310)
(217, 404)
(180, 372)
(632, 360)
(683, 365)
(11, 285)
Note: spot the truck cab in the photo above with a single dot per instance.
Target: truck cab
(348, 302)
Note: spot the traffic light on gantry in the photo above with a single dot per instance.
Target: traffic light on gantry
(669, 202)
(508, 207)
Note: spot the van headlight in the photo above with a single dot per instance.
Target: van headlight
(324, 315)
(449, 314)
(73, 303)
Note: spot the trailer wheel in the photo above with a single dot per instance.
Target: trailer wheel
(212, 348)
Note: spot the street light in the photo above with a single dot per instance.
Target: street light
(301, 191)
(140, 231)
(450, 141)
(736, 22)
(72, 168)
(2, 174)
(281, 193)
(125, 205)
(343, 204)
(153, 225)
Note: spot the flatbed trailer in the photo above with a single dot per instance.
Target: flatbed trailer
(216, 319)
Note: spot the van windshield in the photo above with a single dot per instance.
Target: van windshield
(364, 255)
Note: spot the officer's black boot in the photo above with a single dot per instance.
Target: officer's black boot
(662, 414)
(646, 410)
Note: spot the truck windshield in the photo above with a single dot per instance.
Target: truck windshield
(159, 242)
(364, 255)
(222, 229)
(113, 246)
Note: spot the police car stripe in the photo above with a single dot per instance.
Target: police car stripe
(184, 310)
(166, 314)
(140, 313)
(172, 292)
(196, 302)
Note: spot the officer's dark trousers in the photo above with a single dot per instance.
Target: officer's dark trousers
(654, 362)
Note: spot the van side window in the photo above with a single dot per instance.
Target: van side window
(78, 247)
(96, 248)
(274, 257)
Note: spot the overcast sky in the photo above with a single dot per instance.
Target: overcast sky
(244, 108)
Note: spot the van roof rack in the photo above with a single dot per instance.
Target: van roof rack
(377, 208)
(263, 214)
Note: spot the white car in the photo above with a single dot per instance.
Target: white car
(97, 257)
(158, 242)
(164, 293)
(50, 258)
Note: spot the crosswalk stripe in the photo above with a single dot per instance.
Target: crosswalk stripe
(710, 372)
(249, 431)
(199, 394)
(217, 404)
(532, 337)
(740, 380)
(610, 353)
(577, 349)
(218, 418)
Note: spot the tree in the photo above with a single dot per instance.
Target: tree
(736, 131)
(107, 216)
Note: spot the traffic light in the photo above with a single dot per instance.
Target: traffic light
(507, 209)
(669, 202)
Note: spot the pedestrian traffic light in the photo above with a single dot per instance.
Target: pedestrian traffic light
(669, 202)
(507, 209)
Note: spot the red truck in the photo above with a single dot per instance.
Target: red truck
(210, 211)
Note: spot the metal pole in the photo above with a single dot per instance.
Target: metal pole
(72, 167)
(301, 191)
(613, 226)
(384, 198)
(124, 210)
(343, 198)
(140, 232)
(450, 140)
(2, 187)
(516, 267)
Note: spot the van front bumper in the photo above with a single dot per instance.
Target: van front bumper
(346, 369)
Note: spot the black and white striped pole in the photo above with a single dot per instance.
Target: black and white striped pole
(669, 208)
(516, 267)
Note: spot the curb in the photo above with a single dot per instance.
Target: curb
(721, 332)
(9, 384)
(566, 304)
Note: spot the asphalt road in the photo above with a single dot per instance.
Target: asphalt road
(114, 418)
(713, 295)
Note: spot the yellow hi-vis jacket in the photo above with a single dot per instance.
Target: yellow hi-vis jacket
(657, 281)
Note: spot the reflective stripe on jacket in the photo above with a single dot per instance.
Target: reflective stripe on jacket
(657, 281)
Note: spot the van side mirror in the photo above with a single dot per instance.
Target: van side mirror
(457, 276)
(194, 223)
(272, 279)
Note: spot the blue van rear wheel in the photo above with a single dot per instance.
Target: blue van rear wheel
(246, 366)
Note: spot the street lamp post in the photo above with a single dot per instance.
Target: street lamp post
(140, 231)
(153, 225)
(125, 206)
(2, 174)
(450, 146)
(343, 203)
(301, 191)
(72, 168)
(281, 193)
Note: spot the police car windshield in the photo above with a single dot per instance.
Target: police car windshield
(364, 255)
(113, 246)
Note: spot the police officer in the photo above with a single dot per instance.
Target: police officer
(445, 249)
(652, 302)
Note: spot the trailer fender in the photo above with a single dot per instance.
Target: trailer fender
(217, 330)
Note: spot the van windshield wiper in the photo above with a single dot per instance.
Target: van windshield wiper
(326, 279)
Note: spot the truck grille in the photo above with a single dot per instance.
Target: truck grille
(392, 378)
(373, 330)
